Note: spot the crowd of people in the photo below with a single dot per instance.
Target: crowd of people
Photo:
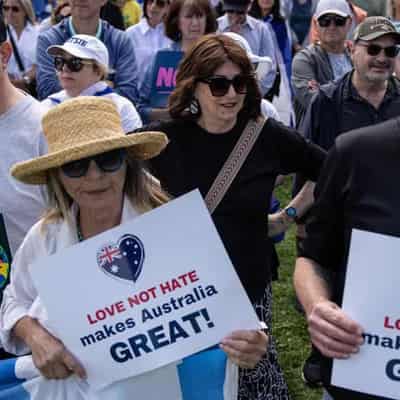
(289, 79)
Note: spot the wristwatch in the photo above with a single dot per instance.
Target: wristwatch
(291, 212)
(26, 79)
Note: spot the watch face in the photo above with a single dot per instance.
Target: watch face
(291, 212)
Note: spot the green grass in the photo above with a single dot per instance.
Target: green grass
(289, 325)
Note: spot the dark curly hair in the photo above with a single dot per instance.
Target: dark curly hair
(208, 54)
(196, 7)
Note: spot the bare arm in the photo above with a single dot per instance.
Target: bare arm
(331, 330)
(279, 222)
(49, 354)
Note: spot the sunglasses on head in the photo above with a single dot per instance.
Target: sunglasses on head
(74, 64)
(326, 20)
(375, 49)
(14, 9)
(106, 162)
(219, 85)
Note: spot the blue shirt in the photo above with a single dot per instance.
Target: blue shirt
(260, 38)
(120, 49)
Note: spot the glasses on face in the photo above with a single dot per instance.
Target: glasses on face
(106, 162)
(326, 20)
(74, 64)
(14, 9)
(219, 85)
(375, 49)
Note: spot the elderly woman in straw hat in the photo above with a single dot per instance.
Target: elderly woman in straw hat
(95, 181)
(82, 69)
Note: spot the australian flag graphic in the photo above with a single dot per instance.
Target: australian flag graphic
(122, 260)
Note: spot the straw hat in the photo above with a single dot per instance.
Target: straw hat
(83, 127)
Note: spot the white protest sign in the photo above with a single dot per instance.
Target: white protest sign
(372, 298)
(144, 294)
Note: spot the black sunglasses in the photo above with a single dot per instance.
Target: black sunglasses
(375, 49)
(106, 162)
(14, 9)
(326, 20)
(74, 64)
(219, 85)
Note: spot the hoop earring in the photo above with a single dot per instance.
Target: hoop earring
(194, 107)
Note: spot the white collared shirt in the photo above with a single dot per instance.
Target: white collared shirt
(130, 118)
(146, 42)
(26, 45)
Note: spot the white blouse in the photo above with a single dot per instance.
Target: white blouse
(26, 45)
(146, 42)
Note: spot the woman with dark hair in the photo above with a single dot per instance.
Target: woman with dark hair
(216, 101)
(148, 36)
(185, 23)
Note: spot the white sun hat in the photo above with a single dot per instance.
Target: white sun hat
(263, 65)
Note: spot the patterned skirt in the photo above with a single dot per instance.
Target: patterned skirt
(266, 380)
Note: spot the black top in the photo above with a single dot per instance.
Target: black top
(358, 189)
(194, 157)
(338, 108)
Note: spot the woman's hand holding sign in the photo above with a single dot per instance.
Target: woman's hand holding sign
(49, 354)
(245, 347)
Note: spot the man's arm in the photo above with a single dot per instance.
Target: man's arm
(334, 333)
(267, 48)
(125, 66)
(47, 81)
(304, 79)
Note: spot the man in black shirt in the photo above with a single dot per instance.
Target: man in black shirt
(367, 95)
(355, 190)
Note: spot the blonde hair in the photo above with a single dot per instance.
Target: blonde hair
(28, 9)
(103, 70)
(141, 188)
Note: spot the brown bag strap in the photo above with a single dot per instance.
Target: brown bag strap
(233, 164)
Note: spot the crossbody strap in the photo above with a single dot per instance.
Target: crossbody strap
(18, 59)
(233, 164)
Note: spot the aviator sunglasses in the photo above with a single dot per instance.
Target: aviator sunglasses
(110, 161)
(219, 85)
(326, 20)
(14, 9)
(375, 49)
(74, 64)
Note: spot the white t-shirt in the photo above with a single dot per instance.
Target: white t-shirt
(21, 139)
(146, 42)
(26, 45)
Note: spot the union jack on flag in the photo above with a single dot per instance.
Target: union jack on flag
(122, 260)
(108, 254)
